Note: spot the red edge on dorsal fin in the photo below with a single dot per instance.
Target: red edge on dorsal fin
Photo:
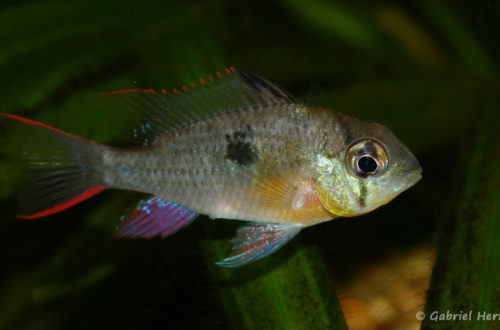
(35, 123)
(133, 90)
(61, 207)
(228, 71)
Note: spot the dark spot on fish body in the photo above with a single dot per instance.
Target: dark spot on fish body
(363, 192)
(241, 153)
(240, 148)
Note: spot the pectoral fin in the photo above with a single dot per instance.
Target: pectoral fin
(258, 240)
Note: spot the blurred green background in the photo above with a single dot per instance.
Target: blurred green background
(426, 69)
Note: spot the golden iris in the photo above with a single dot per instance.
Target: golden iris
(367, 158)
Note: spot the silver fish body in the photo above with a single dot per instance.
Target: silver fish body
(236, 147)
(213, 166)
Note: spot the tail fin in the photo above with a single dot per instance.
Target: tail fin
(65, 169)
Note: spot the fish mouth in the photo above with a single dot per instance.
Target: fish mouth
(413, 170)
(417, 177)
(414, 175)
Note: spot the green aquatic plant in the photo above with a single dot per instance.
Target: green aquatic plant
(468, 259)
(68, 272)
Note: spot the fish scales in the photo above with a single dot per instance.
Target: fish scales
(235, 146)
(192, 167)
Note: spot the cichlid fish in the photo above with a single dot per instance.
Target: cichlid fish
(233, 146)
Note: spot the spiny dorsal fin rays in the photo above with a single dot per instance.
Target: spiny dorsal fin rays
(270, 90)
(166, 112)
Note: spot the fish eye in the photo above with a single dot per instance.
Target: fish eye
(367, 164)
(367, 158)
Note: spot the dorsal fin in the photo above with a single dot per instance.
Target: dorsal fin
(164, 111)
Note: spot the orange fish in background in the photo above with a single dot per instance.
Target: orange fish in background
(233, 146)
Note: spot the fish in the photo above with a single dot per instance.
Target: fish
(230, 146)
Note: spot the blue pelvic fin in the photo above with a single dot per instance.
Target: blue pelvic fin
(152, 217)
(258, 240)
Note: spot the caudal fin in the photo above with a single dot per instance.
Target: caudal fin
(65, 169)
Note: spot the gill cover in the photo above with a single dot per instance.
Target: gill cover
(331, 186)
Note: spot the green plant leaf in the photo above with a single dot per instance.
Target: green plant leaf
(468, 259)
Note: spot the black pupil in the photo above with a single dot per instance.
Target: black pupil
(367, 164)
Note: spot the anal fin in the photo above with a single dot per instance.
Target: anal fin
(258, 240)
(152, 217)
